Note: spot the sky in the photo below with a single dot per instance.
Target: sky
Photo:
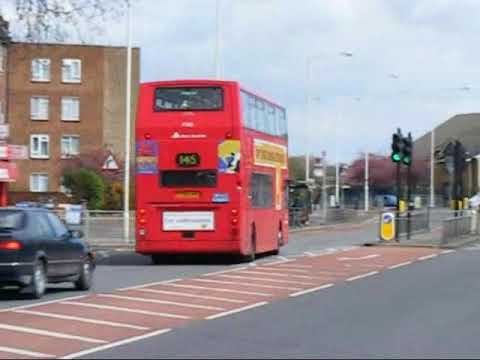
(412, 61)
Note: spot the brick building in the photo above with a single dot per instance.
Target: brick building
(65, 101)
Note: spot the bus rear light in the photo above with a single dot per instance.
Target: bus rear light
(142, 232)
(13, 245)
(142, 211)
(234, 211)
(148, 136)
(234, 221)
(228, 135)
(142, 221)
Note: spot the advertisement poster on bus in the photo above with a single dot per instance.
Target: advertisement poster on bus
(229, 157)
(147, 157)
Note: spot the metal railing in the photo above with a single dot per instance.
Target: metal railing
(102, 227)
(417, 222)
(460, 226)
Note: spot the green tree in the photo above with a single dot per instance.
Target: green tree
(86, 185)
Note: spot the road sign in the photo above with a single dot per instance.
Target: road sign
(387, 226)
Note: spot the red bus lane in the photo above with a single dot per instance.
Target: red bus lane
(211, 170)
(82, 325)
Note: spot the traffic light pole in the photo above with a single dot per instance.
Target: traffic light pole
(409, 227)
(399, 193)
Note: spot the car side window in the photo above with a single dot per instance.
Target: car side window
(41, 226)
(57, 226)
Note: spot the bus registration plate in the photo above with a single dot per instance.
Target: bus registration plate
(188, 221)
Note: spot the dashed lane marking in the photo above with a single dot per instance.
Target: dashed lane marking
(400, 265)
(326, 286)
(25, 352)
(164, 302)
(427, 257)
(444, 252)
(116, 344)
(247, 284)
(33, 331)
(236, 311)
(363, 276)
(295, 266)
(367, 257)
(277, 262)
(129, 310)
(176, 293)
(82, 319)
(240, 292)
(277, 281)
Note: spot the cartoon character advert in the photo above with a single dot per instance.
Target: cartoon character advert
(229, 157)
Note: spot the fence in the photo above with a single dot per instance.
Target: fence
(418, 221)
(103, 226)
(460, 226)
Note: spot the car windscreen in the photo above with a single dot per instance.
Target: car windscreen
(11, 219)
(188, 98)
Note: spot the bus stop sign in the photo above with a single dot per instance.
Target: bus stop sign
(387, 226)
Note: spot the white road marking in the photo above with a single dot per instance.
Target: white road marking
(224, 271)
(265, 279)
(156, 301)
(362, 276)
(301, 271)
(309, 254)
(444, 252)
(25, 352)
(129, 310)
(82, 319)
(326, 286)
(282, 258)
(221, 290)
(148, 285)
(295, 266)
(257, 272)
(34, 331)
(400, 265)
(247, 284)
(115, 344)
(277, 262)
(427, 257)
(176, 293)
(43, 303)
(237, 310)
(367, 257)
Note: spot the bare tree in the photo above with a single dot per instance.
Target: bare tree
(46, 20)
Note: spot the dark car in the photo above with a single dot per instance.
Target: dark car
(36, 248)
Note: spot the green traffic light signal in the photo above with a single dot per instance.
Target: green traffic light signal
(396, 157)
(407, 160)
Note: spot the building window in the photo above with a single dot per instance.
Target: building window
(3, 58)
(39, 182)
(39, 107)
(70, 146)
(39, 146)
(41, 70)
(70, 109)
(71, 70)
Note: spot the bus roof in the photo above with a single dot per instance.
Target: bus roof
(208, 82)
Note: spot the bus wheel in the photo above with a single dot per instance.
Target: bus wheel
(279, 241)
(159, 259)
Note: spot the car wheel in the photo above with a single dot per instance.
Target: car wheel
(39, 280)
(84, 282)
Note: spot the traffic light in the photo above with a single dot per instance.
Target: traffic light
(397, 147)
(407, 150)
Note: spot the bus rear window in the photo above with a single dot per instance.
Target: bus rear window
(193, 178)
(188, 98)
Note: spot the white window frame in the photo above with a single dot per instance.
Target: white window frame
(69, 117)
(69, 155)
(32, 189)
(38, 154)
(37, 116)
(41, 62)
(3, 58)
(68, 71)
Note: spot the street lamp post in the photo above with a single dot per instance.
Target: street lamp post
(128, 100)
(218, 40)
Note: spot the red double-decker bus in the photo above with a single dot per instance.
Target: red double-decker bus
(211, 170)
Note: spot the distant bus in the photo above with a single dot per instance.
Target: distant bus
(211, 170)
